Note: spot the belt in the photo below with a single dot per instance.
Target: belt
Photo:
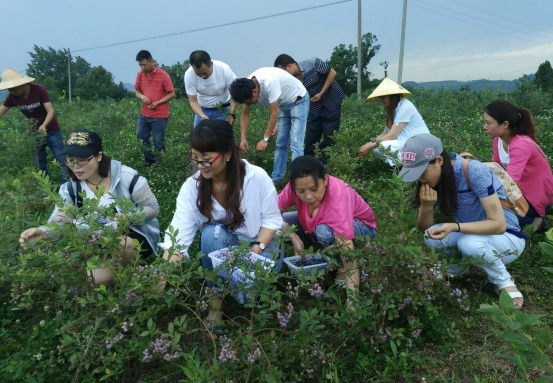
(226, 105)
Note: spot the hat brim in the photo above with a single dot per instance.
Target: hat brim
(15, 83)
(412, 174)
(79, 151)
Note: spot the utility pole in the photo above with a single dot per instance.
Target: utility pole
(401, 47)
(359, 74)
(69, 71)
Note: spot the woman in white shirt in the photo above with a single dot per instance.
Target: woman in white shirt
(228, 199)
(403, 121)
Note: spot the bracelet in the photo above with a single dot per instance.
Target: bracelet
(458, 227)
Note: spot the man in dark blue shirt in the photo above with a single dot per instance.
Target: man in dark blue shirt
(326, 96)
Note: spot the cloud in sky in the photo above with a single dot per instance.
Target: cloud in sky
(436, 37)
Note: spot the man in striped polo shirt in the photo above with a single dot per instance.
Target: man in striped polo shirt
(326, 96)
(154, 88)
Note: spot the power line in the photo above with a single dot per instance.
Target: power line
(212, 27)
(501, 17)
(471, 23)
(482, 57)
(481, 19)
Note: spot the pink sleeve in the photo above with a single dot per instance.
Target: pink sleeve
(137, 82)
(167, 83)
(495, 157)
(344, 211)
(518, 159)
(286, 198)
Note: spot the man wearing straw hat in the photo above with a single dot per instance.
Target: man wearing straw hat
(403, 121)
(33, 101)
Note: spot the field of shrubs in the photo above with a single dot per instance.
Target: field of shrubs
(55, 326)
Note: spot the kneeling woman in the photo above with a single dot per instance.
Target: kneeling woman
(329, 211)
(484, 231)
(90, 170)
(228, 199)
(403, 121)
(515, 148)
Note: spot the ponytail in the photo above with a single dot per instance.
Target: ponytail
(520, 119)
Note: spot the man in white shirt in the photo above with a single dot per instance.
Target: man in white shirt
(207, 84)
(288, 100)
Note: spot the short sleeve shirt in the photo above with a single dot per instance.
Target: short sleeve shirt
(414, 123)
(33, 106)
(340, 206)
(315, 72)
(212, 91)
(484, 183)
(155, 86)
(278, 85)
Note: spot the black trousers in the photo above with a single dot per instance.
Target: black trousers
(322, 126)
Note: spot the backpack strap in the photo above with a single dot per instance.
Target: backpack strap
(133, 183)
(536, 146)
(466, 172)
(76, 195)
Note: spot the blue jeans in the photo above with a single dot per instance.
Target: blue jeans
(216, 236)
(530, 216)
(213, 114)
(489, 252)
(54, 141)
(324, 235)
(157, 127)
(291, 123)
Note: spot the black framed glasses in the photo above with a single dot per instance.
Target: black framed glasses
(205, 164)
(71, 163)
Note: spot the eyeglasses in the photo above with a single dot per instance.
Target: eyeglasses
(70, 163)
(205, 164)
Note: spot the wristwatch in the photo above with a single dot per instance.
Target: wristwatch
(260, 244)
(266, 139)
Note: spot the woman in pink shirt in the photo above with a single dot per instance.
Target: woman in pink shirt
(328, 212)
(515, 148)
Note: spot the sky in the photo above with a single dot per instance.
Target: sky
(445, 39)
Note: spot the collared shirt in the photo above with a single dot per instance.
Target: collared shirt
(212, 91)
(259, 203)
(315, 72)
(155, 86)
(484, 183)
(276, 84)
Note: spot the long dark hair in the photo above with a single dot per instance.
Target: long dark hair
(104, 167)
(446, 188)
(391, 108)
(305, 166)
(520, 119)
(218, 136)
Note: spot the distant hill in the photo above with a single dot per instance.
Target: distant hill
(129, 87)
(475, 85)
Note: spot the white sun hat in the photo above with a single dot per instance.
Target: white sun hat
(385, 88)
(12, 78)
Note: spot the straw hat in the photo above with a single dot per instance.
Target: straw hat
(385, 88)
(12, 78)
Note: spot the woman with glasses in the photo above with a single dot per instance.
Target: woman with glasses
(90, 170)
(228, 199)
(329, 212)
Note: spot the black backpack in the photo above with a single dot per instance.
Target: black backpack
(77, 195)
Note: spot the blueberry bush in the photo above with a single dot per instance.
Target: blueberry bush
(406, 326)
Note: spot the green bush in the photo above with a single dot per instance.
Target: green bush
(57, 326)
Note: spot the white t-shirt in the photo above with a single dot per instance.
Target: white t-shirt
(214, 89)
(259, 203)
(278, 85)
(105, 200)
(504, 156)
(414, 123)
